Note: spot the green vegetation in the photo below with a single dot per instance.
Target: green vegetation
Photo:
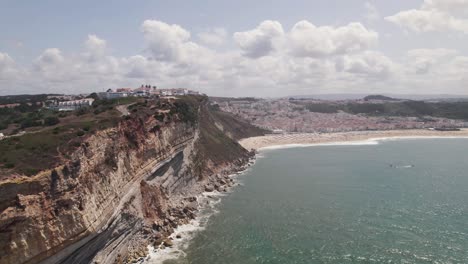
(103, 105)
(234, 127)
(186, 109)
(213, 145)
(218, 132)
(58, 135)
(33, 152)
(23, 99)
(51, 120)
(453, 110)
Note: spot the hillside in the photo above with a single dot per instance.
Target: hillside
(379, 98)
(454, 110)
(119, 187)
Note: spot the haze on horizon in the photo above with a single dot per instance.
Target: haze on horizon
(236, 48)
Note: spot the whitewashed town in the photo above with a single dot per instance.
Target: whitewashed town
(75, 102)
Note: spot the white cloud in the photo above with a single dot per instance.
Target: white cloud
(95, 46)
(268, 61)
(215, 37)
(434, 71)
(449, 6)
(260, 41)
(7, 66)
(422, 61)
(308, 40)
(369, 64)
(433, 16)
(50, 58)
(166, 42)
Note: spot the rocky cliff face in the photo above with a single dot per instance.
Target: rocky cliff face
(123, 188)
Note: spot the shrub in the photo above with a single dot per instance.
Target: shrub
(159, 117)
(81, 111)
(80, 133)
(3, 125)
(156, 128)
(9, 165)
(29, 122)
(51, 120)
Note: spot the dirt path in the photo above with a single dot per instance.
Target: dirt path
(123, 109)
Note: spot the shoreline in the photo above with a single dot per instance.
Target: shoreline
(208, 201)
(274, 141)
(183, 235)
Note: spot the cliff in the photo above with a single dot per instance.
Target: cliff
(123, 187)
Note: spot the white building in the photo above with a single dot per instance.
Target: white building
(110, 94)
(73, 105)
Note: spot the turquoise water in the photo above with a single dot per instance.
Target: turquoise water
(396, 202)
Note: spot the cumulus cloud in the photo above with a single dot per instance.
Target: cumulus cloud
(95, 46)
(435, 70)
(7, 66)
(267, 60)
(214, 37)
(166, 42)
(433, 16)
(260, 41)
(422, 61)
(370, 64)
(308, 40)
(50, 58)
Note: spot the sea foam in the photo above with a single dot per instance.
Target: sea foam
(208, 206)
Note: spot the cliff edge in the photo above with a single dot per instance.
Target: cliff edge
(123, 187)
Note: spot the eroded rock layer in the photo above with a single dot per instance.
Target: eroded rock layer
(124, 187)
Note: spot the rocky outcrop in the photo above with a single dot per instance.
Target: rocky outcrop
(124, 188)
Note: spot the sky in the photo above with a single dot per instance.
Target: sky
(235, 48)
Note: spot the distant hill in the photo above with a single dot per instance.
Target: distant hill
(380, 98)
(357, 96)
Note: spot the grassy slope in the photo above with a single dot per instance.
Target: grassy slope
(30, 153)
(44, 147)
(233, 126)
(214, 144)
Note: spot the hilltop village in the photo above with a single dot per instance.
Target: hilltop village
(71, 103)
(20, 114)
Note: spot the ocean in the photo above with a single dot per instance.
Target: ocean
(392, 201)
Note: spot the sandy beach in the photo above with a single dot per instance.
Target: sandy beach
(257, 143)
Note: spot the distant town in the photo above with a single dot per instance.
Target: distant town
(290, 115)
